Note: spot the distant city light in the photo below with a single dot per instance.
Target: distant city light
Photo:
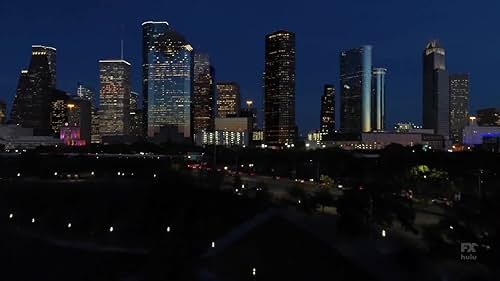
(111, 229)
(69, 225)
(254, 271)
(154, 175)
(55, 173)
(213, 244)
(11, 215)
(383, 233)
(168, 228)
(92, 173)
(451, 227)
(18, 174)
(33, 220)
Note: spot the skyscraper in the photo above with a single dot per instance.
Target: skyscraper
(459, 105)
(327, 112)
(135, 115)
(203, 94)
(114, 98)
(279, 89)
(228, 99)
(79, 114)
(167, 79)
(378, 99)
(250, 111)
(58, 114)
(31, 107)
(436, 107)
(355, 88)
(86, 93)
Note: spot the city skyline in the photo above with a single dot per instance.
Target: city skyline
(403, 87)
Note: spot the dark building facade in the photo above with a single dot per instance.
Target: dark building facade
(378, 99)
(250, 111)
(31, 107)
(135, 115)
(279, 89)
(436, 107)
(356, 90)
(58, 113)
(79, 114)
(488, 117)
(459, 105)
(167, 80)
(228, 99)
(3, 112)
(203, 94)
(327, 112)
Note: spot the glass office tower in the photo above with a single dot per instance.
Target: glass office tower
(378, 99)
(355, 87)
(327, 114)
(203, 94)
(167, 79)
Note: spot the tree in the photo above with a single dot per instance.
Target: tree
(326, 181)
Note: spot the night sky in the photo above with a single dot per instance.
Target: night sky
(232, 32)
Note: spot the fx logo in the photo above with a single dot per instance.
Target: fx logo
(468, 247)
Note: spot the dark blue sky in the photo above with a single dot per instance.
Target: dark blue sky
(232, 32)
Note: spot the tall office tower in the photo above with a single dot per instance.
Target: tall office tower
(459, 105)
(31, 106)
(3, 112)
(79, 114)
(250, 111)
(378, 99)
(203, 94)
(86, 93)
(436, 99)
(488, 117)
(95, 136)
(279, 89)
(327, 112)
(58, 116)
(355, 89)
(114, 98)
(228, 99)
(135, 115)
(167, 79)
